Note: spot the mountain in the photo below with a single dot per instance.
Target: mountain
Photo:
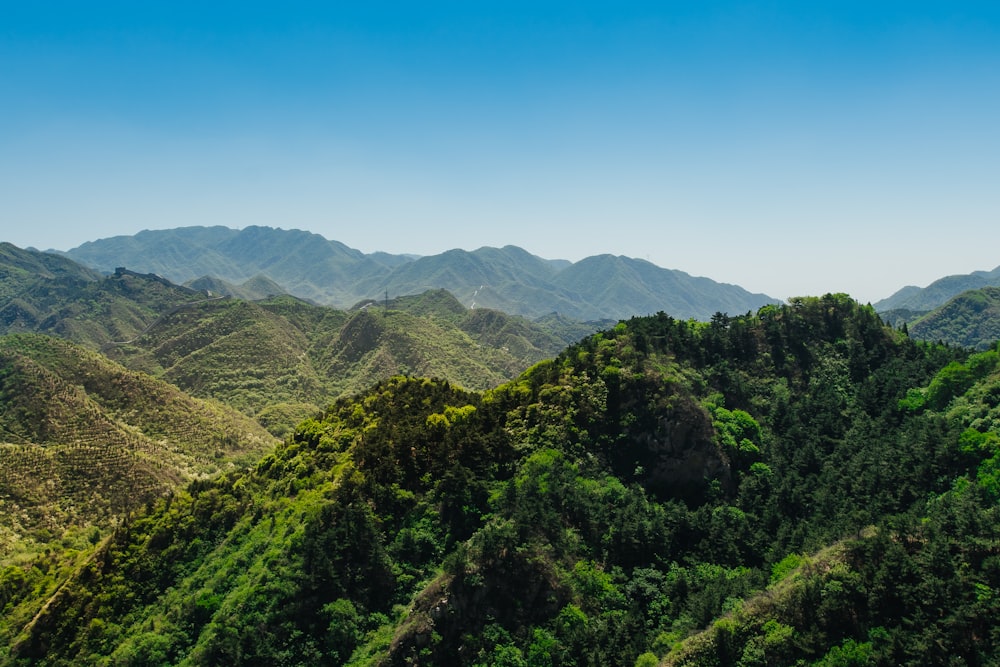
(256, 288)
(45, 293)
(21, 269)
(938, 292)
(508, 279)
(86, 441)
(26, 279)
(283, 359)
(801, 485)
(305, 264)
(971, 319)
(279, 359)
(625, 287)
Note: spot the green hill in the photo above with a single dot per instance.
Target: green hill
(21, 270)
(803, 485)
(971, 319)
(283, 359)
(257, 288)
(85, 441)
(938, 292)
(623, 287)
(305, 264)
(280, 359)
(45, 293)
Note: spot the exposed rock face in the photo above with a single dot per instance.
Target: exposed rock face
(674, 449)
(669, 445)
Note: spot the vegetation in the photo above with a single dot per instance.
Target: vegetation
(799, 486)
(939, 292)
(48, 294)
(279, 359)
(282, 358)
(255, 289)
(971, 319)
(84, 441)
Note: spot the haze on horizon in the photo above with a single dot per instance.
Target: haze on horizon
(790, 148)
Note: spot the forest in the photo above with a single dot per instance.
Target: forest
(802, 485)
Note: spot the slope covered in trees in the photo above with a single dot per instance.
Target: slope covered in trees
(938, 292)
(799, 486)
(45, 293)
(84, 441)
(279, 359)
(283, 359)
(971, 319)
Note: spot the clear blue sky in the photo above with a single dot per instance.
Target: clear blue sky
(789, 147)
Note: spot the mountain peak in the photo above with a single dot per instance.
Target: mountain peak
(508, 278)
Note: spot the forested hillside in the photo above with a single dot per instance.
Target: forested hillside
(938, 292)
(278, 359)
(971, 319)
(282, 359)
(80, 305)
(84, 441)
(800, 486)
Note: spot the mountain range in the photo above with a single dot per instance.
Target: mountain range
(925, 299)
(800, 486)
(971, 319)
(507, 279)
(277, 358)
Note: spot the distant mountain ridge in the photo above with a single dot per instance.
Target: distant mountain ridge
(971, 319)
(510, 279)
(938, 292)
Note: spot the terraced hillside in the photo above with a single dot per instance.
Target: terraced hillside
(83, 440)
(282, 360)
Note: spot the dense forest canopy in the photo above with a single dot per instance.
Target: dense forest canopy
(799, 486)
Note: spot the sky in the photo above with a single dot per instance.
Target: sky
(792, 148)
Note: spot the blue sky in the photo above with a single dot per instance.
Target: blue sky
(788, 147)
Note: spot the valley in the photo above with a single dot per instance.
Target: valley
(191, 476)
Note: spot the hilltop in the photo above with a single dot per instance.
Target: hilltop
(76, 303)
(971, 319)
(283, 359)
(803, 485)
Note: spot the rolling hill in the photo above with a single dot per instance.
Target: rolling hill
(78, 304)
(280, 359)
(85, 441)
(256, 288)
(283, 359)
(802, 485)
(971, 319)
